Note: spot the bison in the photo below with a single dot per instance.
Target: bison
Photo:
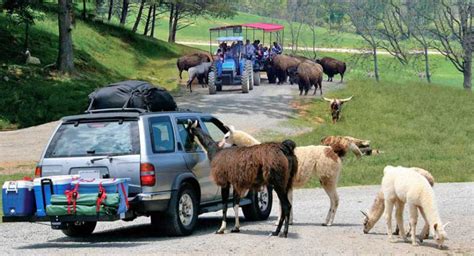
(307, 74)
(191, 60)
(332, 67)
(281, 64)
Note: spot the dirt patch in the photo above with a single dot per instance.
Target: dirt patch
(8, 168)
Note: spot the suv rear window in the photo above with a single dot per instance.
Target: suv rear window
(95, 138)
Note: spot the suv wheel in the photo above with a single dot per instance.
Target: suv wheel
(182, 214)
(261, 205)
(79, 228)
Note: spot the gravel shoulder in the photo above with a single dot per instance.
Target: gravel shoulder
(306, 236)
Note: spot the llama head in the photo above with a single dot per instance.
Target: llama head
(228, 139)
(439, 234)
(336, 107)
(368, 225)
(191, 128)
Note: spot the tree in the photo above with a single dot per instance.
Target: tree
(139, 16)
(294, 18)
(366, 25)
(183, 12)
(418, 27)
(65, 61)
(392, 29)
(123, 15)
(21, 12)
(111, 9)
(455, 35)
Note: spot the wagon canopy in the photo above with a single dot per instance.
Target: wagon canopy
(267, 27)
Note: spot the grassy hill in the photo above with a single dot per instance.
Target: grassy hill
(413, 124)
(103, 54)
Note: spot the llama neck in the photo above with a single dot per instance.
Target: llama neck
(377, 208)
(429, 207)
(207, 142)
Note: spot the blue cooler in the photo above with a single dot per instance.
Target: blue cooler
(46, 186)
(18, 198)
(115, 185)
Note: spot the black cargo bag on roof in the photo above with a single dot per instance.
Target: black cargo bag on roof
(132, 94)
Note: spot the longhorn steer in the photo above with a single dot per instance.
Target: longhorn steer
(336, 107)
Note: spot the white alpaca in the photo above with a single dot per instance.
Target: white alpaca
(30, 59)
(373, 215)
(313, 161)
(402, 185)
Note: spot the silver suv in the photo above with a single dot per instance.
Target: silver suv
(170, 175)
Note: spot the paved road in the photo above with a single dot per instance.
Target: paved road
(306, 236)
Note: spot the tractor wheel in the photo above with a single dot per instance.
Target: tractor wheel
(212, 82)
(256, 78)
(246, 76)
(251, 81)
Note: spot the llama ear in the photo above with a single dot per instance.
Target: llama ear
(195, 124)
(364, 213)
(231, 128)
(446, 224)
(190, 122)
(435, 226)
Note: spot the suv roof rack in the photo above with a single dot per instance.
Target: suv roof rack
(107, 110)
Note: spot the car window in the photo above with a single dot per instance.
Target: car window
(214, 127)
(162, 137)
(189, 145)
(95, 138)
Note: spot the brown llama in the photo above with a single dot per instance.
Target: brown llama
(322, 162)
(250, 168)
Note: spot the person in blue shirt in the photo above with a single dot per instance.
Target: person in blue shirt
(276, 49)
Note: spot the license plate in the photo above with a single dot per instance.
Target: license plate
(89, 174)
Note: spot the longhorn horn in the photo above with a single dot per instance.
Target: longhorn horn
(328, 100)
(346, 99)
(364, 213)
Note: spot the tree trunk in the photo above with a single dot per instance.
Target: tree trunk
(152, 34)
(111, 7)
(147, 24)
(376, 65)
(427, 64)
(84, 9)
(314, 41)
(171, 23)
(468, 70)
(139, 16)
(123, 17)
(65, 57)
(175, 25)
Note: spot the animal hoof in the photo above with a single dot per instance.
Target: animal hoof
(414, 244)
(274, 233)
(235, 230)
(392, 240)
(326, 224)
(220, 232)
(284, 235)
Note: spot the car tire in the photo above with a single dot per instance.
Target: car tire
(181, 217)
(79, 229)
(261, 205)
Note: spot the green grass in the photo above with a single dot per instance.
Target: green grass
(413, 124)
(103, 54)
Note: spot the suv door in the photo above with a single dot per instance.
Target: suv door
(197, 161)
(217, 130)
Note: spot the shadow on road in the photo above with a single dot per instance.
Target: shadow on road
(141, 234)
